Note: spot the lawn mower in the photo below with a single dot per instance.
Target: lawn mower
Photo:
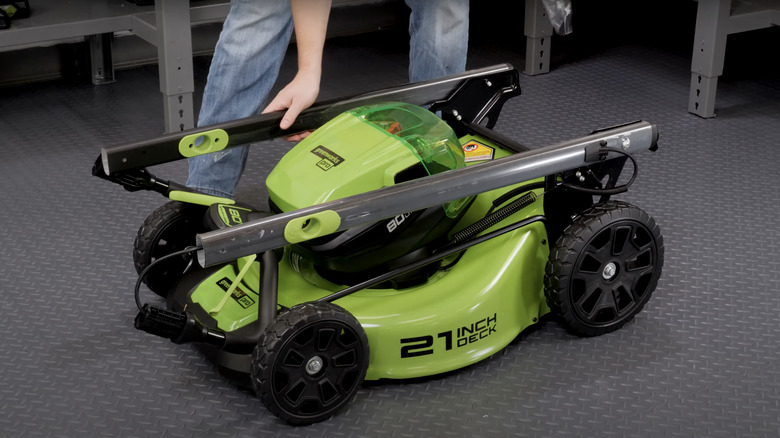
(404, 238)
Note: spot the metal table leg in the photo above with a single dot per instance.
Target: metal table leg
(101, 57)
(709, 52)
(538, 38)
(174, 52)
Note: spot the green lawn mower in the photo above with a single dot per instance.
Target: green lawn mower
(404, 238)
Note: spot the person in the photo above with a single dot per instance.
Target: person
(250, 51)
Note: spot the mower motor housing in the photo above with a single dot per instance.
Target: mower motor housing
(364, 149)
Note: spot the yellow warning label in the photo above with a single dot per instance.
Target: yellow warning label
(476, 151)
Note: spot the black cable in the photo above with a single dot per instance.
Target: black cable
(614, 190)
(143, 273)
(531, 186)
(493, 218)
(452, 263)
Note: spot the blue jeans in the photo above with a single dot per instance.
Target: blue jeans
(439, 38)
(249, 54)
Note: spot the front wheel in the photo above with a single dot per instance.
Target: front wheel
(604, 268)
(170, 228)
(310, 362)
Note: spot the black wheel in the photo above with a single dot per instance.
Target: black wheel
(170, 228)
(603, 268)
(310, 362)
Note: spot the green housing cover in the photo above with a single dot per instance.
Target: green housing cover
(362, 150)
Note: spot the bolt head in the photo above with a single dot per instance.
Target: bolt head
(314, 365)
(609, 271)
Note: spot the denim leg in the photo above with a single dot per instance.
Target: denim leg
(246, 63)
(439, 31)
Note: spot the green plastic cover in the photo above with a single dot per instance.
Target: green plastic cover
(430, 139)
(362, 150)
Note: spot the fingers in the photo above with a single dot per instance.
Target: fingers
(279, 103)
(292, 113)
(297, 136)
(290, 104)
(293, 99)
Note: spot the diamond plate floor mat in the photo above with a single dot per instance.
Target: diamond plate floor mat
(701, 360)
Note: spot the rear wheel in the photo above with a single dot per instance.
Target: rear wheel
(603, 268)
(310, 362)
(170, 228)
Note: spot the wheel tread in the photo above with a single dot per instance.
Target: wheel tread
(273, 339)
(567, 249)
(148, 235)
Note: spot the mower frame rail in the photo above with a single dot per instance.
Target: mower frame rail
(258, 236)
(480, 94)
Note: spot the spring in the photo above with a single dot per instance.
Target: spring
(493, 218)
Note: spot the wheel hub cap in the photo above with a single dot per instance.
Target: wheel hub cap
(314, 365)
(609, 271)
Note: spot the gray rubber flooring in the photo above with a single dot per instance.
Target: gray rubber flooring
(701, 360)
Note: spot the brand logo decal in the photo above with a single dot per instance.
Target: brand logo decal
(230, 216)
(329, 158)
(241, 297)
(396, 222)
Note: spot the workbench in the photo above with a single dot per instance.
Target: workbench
(715, 21)
(166, 25)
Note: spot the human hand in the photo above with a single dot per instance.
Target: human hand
(298, 95)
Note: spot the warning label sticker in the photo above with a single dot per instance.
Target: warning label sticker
(476, 151)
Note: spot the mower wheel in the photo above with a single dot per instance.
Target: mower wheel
(603, 268)
(310, 362)
(170, 228)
